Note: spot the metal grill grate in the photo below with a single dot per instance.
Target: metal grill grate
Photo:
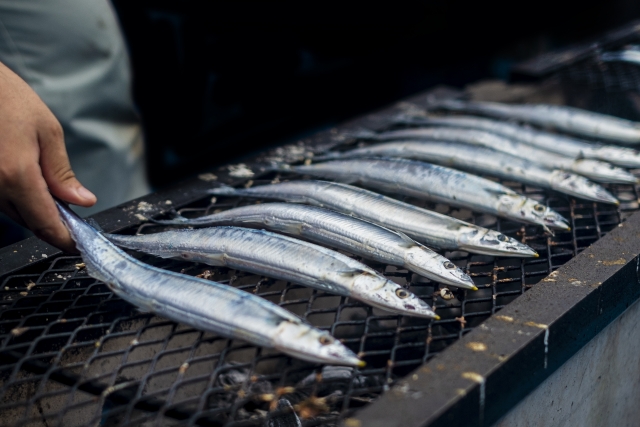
(74, 354)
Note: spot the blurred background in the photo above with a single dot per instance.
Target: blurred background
(216, 81)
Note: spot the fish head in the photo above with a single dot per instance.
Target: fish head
(622, 156)
(603, 172)
(314, 345)
(431, 264)
(490, 242)
(579, 186)
(381, 292)
(531, 211)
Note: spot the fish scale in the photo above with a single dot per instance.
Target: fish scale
(436, 183)
(593, 169)
(484, 160)
(564, 145)
(200, 303)
(568, 119)
(428, 227)
(281, 257)
(334, 229)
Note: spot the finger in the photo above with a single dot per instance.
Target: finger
(36, 207)
(56, 169)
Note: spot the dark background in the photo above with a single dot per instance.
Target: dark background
(219, 80)
(216, 80)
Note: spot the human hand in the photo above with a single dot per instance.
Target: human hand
(34, 163)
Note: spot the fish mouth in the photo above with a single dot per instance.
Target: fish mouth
(421, 309)
(459, 279)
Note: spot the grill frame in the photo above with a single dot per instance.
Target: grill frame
(447, 396)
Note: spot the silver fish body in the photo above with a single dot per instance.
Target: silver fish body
(485, 160)
(632, 56)
(331, 228)
(564, 145)
(567, 119)
(430, 228)
(200, 303)
(438, 184)
(281, 257)
(594, 169)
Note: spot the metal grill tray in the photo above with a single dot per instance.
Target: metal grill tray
(72, 353)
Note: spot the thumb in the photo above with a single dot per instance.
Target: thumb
(56, 169)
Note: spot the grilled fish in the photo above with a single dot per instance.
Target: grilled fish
(430, 228)
(327, 227)
(438, 184)
(596, 170)
(564, 145)
(485, 160)
(567, 119)
(200, 303)
(280, 257)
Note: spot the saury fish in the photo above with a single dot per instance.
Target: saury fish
(428, 227)
(561, 144)
(594, 169)
(327, 227)
(567, 119)
(438, 184)
(484, 160)
(280, 257)
(200, 303)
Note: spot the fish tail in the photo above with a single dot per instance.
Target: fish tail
(277, 167)
(176, 219)
(224, 190)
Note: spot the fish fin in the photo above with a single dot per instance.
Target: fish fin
(580, 156)
(407, 242)
(93, 223)
(350, 273)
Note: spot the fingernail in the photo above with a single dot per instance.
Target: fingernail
(85, 194)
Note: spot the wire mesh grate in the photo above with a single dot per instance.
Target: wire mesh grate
(74, 354)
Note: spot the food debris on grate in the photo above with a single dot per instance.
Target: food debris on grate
(74, 354)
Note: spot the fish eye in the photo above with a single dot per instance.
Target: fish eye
(402, 293)
(539, 208)
(325, 340)
(503, 238)
(449, 265)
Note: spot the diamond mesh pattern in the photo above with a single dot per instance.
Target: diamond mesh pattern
(74, 354)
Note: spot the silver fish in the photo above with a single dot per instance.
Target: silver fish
(430, 228)
(567, 119)
(281, 257)
(200, 303)
(327, 227)
(594, 169)
(438, 184)
(484, 160)
(565, 145)
(631, 56)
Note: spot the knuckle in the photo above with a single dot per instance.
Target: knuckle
(55, 128)
(65, 173)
